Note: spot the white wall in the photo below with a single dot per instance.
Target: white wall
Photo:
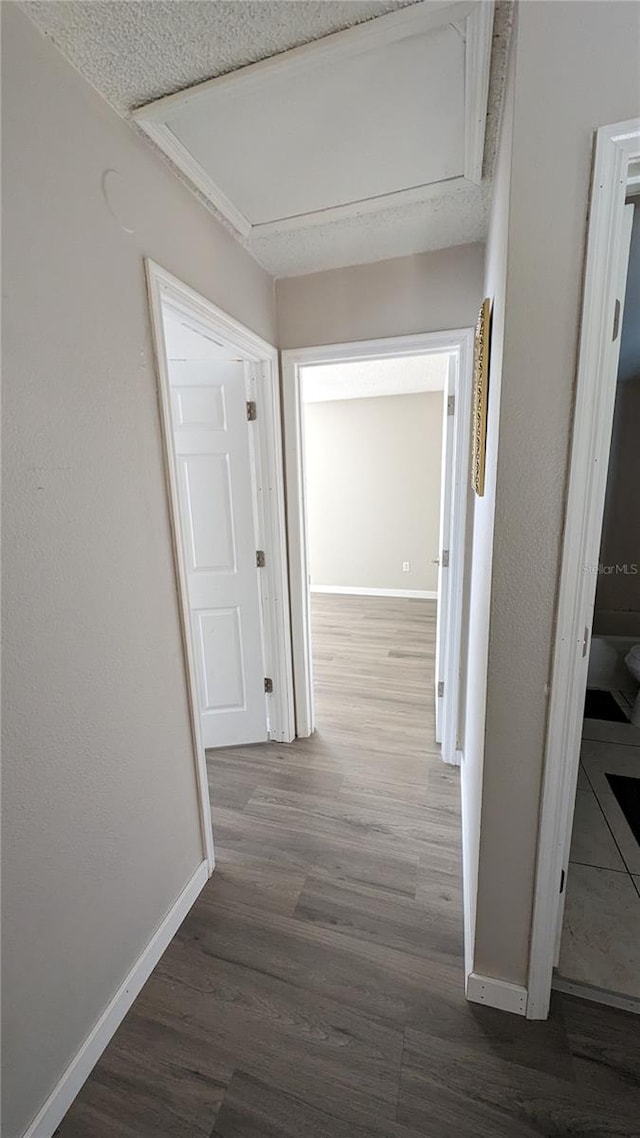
(480, 530)
(373, 490)
(101, 827)
(576, 68)
(428, 292)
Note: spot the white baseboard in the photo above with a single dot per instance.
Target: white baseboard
(497, 994)
(597, 995)
(354, 591)
(56, 1106)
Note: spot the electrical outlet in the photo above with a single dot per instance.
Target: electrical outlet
(406, 566)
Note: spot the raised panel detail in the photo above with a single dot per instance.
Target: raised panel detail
(199, 407)
(206, 487)
(218, 635)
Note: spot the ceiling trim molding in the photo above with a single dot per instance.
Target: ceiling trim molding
(475, 16)
(479, 31)
(170, 145)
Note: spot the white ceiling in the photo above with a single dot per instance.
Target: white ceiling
(360, 379)
(135, 52)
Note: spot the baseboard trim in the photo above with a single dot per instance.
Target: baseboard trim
(354, 591)
(597, 995)
(56, 1106)
(496, 994)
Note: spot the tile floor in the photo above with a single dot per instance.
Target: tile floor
(601, 931)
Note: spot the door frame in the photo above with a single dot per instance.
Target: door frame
(459, 341)
(163, 287)
(615, 147)
(444, 542)
(458, 472)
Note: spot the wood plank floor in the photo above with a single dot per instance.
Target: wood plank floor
(315, 989)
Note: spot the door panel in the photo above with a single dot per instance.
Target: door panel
(199, 407)
(219, 637)
(217, 514)
(205, 493)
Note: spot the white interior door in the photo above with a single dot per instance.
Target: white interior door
(218, 535)
(442, 621)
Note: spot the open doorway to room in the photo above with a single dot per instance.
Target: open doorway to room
(600, 935)
(373, 450)
(220, 416)
(586, 921)
(377, 448)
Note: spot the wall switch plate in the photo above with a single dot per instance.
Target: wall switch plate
(406, 566)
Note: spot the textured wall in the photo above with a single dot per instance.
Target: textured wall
(428, 292)
(480, 526)
(101, 826)
(373, 490)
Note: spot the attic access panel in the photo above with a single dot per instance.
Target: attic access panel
(380, 114)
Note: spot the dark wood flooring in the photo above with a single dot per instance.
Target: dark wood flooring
(316, 988)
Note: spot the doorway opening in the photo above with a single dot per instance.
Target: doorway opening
(373, 451)
(220, 417)
(587, 652)
(600, 932)
(377, 476)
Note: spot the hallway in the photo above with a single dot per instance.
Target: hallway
(316, 988)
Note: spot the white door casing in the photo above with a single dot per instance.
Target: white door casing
(617, 146)
(459, 343)
(443, 550)
(620, 287)
(218, 532)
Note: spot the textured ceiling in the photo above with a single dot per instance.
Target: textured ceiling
(138, 50)
(134, 51)
(359, 379)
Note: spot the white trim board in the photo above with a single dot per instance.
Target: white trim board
(597, 995)
(356, 591)
(496, 994)
(474, 19)
(167, 289)
(616, 146)
(69, 1085)
(461, 478)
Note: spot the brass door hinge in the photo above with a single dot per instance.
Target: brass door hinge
(252, 411)
(261, 560)
(268, 685)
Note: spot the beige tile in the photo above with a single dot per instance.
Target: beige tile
(591, 840)
(598, 759)
(601, 930)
